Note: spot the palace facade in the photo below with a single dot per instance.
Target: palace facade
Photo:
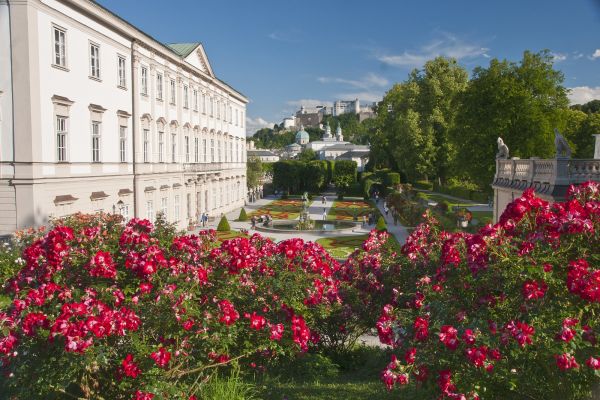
(96, 115)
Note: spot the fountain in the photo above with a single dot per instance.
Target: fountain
(305, 223)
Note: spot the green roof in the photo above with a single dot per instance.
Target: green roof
(183, 49)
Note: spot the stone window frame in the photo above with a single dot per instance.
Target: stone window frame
(123, 122)
(146, 139)
(144, 80)
(96, 115)
(121, 79)
(61, 108)
(65, 66)
(160, 86)
(98, 76)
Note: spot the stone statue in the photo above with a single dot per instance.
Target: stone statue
(562, 147)
(502, 150)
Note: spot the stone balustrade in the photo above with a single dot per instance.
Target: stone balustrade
(550, 178)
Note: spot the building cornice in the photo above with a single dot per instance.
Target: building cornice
(106, 17)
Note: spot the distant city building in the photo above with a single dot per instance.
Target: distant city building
(263, 155)
(313, 116)
(95, 115)
(329, 147)
(289, 122)
(344, 107)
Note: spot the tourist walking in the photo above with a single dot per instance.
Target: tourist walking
(364, 221)
(204, 219)
(253, 222)
(395, 216)
(324, 213)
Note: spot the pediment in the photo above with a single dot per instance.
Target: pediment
(198, 59)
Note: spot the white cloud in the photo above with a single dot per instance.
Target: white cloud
(596, 54)
(583, 94)
(368, 81)
(448, 45)
(558, 57)
(577, 55)
(289, 36)
(254, 124)
(308, 103)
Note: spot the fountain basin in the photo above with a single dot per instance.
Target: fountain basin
(319, 226)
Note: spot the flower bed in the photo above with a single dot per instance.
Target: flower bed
(280, 209)
(348, 210)
(102, 310)
(509, 312)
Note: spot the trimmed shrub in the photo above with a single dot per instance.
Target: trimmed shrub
(424, 185)
(223, 225)
(243, 216)
(381, 225)
(392, 179)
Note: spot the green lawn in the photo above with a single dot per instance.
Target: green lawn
(353, 376)
(342, 246)
(449, 223)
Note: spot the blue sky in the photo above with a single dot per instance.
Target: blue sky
(285, 53)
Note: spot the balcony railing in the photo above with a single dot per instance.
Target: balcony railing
(212, 167)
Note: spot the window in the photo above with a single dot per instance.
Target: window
(212, 150)
(189, 205)
(164, 206)
(204, 154)
(173, 146)
(218, 110)
(230, 119)
(61, 138)
(144, 76)
(195, 100)
(203, 103)
(159, 86)
(212, 106)
(161, 146)
(176, 208)
(146, 148)
(219, 150)
(94, 61)
(242, 119)
(196, 155)
(123, 143)
(95, 141)
(221, 198)
(60, 47)
(122, 72)
(124, 211)
(230, 152)
(185, 97)
(150, 211)
(214, 198)
(237, 120)
(172, 91)
(187, 149)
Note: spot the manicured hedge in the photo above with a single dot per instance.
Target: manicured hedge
(424, 185)
(223, 225)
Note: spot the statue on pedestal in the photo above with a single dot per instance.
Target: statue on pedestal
(503, 152)
(563, 150)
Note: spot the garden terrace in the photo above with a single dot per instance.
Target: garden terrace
(280, 209)
(347, 210)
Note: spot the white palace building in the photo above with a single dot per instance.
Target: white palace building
(96, 115)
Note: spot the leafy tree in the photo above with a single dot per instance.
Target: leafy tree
(254, 172)
(344, 175)
(307, 155)
(590, 107)
(579, 129)
(520, 102)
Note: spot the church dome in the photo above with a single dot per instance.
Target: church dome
(302, 136)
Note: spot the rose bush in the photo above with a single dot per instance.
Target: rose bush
(512, 311)
(108, 311)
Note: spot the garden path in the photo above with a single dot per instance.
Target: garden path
(399, 231)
